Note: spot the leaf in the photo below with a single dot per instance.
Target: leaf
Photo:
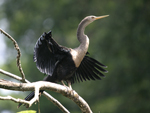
(27, 111)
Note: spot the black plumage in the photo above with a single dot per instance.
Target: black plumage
(56, 61)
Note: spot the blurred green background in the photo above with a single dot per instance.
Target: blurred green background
(120, 41)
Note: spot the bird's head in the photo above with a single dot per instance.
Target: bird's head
(89, 19)
(93, 18)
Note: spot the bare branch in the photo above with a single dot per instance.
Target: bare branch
(13, 76)
(18, 56)
(56, 102)
(36, 97)
(15, 100)
(42, 85)
(48, 96)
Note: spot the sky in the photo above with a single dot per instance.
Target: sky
(3, 26)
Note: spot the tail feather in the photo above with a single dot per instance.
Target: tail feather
(28, 98)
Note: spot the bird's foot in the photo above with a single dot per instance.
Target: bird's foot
(69, 88)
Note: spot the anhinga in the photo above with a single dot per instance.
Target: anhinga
(66, 64)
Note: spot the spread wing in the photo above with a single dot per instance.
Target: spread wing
(47, 53)
(89, 69)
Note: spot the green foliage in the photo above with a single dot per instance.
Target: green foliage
(120, 41)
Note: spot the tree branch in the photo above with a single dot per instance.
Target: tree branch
(18, 54)
(15, 100)
(12, 76)
(55, 102)
(42, 85)
(48, 96)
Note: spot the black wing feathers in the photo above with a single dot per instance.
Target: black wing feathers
(43, 56)
(89, 69)
(47, 53)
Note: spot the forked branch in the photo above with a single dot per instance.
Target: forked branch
(42, 85)
(48, 96)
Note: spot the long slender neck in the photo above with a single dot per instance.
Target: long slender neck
(83, 39)
(79, 52)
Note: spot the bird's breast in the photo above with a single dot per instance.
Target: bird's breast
(77, 56)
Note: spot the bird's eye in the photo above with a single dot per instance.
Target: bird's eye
(92, 17)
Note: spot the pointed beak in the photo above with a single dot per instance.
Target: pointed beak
(99, 17)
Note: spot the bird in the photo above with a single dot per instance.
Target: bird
(63, 64)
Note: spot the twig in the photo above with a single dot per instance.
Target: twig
(39, 107)
(15, 100)
(12, 76)
(56, 102)
(18, 54)
(42, 85)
